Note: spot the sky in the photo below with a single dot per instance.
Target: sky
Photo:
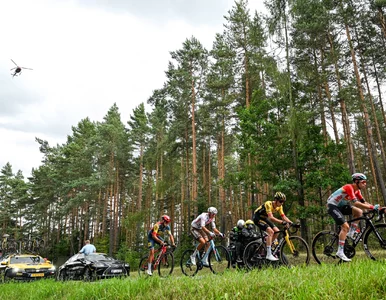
(87, 55)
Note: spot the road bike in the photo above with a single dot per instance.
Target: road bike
(372, 236)
(218, 259)
(163, 261)
(232, 249)
(290, 250)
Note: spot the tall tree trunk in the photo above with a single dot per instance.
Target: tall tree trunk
(139, 200)
(368, 126)
(345, 120)
(374, 114)
(194, 154)
(330, 105)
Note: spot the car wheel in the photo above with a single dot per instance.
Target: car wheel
(90, 275)
(62, 276)
(6, 278)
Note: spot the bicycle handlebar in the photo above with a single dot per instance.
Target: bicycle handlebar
(381, 212)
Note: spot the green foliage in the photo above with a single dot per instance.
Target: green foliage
(102, 244)
(327, 282)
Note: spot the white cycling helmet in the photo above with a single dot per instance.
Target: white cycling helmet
(240, 223)
(212, 210)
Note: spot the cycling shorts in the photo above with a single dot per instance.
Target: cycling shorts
(198, 233)
(338, 213)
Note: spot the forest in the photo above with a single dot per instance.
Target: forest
(290, 101)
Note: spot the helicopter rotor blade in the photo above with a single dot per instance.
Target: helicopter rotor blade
(14, 62)
(13, 68)
(26, 68)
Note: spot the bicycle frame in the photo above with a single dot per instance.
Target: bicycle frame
(325, 248)
(369, 225)
(285, 238)
(160, 251)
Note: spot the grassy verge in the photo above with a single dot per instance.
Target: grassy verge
(360, 279)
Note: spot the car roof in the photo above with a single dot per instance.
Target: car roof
(24, 255)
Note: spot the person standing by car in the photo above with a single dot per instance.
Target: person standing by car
(88, 248)
(154, 237)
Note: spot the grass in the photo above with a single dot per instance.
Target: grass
(360, 279)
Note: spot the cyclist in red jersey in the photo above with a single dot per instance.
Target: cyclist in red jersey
(348, 200)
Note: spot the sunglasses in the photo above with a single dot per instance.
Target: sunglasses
(363, 181)
(281, 201)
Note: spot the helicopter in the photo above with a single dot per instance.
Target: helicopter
(18, 69)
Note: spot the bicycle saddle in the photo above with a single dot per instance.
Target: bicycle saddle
(6, 235)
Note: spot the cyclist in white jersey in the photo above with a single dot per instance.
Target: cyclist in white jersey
(201, 233)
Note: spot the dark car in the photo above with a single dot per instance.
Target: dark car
(26, 267)
(91, 267)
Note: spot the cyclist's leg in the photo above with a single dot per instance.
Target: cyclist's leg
(356, 213)
(199, 235)
(338, 215)
(272, 231)
(151, 243)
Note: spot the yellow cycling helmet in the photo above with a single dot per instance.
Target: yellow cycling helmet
(279, 196)
(249, 222)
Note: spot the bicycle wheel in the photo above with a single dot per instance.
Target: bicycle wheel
(143, 265)
(186, 265)
(296, 253)
(219, 260)
(325, 246)
(254, 255)
(374, 247)
(166, 265)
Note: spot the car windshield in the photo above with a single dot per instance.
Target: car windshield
(26, 260)
(98, 257)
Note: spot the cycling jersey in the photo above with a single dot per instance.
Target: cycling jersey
(159, 229)
(266, 208)
(344, 195)
(203, 220)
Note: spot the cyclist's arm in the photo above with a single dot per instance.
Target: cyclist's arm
(206, 230)
(363, 205)
(273, 219)
(171, 237)
(216, 231)
(156, 238)
(154, 234)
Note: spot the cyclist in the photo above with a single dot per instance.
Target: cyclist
(236, 237)
(154, 236)
(249, 232)
(201, 233)
(338, 205)
(264, 219)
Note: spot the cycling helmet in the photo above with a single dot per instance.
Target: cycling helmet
(166, 218)
(240, 223)
(249, 222)
(212, 210)
(279, 196)
(358, 176)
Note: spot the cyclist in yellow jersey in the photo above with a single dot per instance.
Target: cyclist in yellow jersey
(264, 219)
